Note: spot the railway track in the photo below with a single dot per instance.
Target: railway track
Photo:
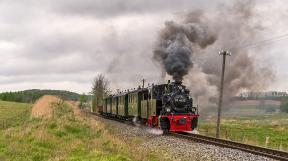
(271, 153)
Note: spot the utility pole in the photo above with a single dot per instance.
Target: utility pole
(224, 53)
(143, 82)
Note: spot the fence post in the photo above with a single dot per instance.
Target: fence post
(266, 141)
(243, 137)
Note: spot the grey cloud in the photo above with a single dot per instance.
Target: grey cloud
(63, 41)
(111, 8)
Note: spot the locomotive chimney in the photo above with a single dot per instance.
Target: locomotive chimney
(168, 81)
(178, 81)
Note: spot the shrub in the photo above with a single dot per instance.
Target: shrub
(284, 106)
(61, 109)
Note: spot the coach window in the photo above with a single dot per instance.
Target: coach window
(135, 98)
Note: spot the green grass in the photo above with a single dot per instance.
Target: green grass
(68, 137)
(12, 109)
(252, 130)
(13, 114)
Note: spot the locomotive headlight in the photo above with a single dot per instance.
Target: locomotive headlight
(168, 110)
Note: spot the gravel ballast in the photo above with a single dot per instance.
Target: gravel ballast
(176, 148)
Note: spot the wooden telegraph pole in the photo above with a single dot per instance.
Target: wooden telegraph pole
(224, 53)
(143, 82)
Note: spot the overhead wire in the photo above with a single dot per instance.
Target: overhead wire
(260, 43)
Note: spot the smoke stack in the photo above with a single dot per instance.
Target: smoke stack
(178, 81)
(168, 81)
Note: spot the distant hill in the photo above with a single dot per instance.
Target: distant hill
(30, 96)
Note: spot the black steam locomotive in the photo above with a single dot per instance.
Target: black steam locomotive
(176, 99)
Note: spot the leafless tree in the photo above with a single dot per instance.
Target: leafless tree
(99, 90)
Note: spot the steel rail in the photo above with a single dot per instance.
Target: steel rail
(270, 153)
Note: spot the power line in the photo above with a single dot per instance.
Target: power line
(263, 42)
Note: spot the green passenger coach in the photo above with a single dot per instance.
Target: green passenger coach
(134, 104)
(141, 103)
(109, 105)
(114, 109)
(122, 105)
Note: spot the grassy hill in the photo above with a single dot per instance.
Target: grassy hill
(64, 136)
(30, 96)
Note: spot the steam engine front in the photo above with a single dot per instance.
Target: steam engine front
(167, 106)
(178, 113)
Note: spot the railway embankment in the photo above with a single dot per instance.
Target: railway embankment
(174, 148)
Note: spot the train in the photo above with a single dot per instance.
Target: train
(168, 107)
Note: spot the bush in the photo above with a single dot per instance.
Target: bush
(284, 106)
(61, 109)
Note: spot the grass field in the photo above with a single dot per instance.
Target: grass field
(12, 109)
(65, 136)
(12, 113)
(252, 130)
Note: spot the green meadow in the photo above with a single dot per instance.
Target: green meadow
(12, 113)
(64, 136)
(268, 130)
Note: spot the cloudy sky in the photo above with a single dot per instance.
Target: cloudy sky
(63, 44)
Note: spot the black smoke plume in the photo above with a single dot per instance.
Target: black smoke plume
(175, 46)
(199, 36)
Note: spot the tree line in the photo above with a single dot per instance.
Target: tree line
(30, 96)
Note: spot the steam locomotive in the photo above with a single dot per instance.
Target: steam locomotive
(166, 106)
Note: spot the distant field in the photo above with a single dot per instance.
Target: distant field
(252, 129)
(255, 103)
(12, 113)
(252, 107)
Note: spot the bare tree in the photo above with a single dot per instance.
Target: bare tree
(99, 90)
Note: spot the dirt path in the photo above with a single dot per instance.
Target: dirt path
(43, 107)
